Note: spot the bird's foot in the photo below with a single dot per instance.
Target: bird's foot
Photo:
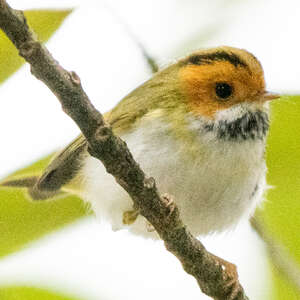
(130, 216)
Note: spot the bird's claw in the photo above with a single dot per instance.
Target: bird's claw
(130, 216)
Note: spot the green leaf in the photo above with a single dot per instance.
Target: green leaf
(30, 293)
(281, 211)
(22, 221)
(44, 23)
(282, 288)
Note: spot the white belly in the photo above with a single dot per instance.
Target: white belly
(222, 184)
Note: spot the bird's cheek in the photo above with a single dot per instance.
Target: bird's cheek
(206, 106)
(195, 97)
(198, 94)
(201, 103)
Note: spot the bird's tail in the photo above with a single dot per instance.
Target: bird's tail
(31, 183)
(25, 182)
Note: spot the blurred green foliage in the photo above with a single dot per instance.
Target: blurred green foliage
(282, 289)
(30, 293)
(44, 23)
(281, 210)
(22, 220)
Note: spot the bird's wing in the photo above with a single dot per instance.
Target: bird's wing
(62, 172)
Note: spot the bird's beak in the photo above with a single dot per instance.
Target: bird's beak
(267, 96)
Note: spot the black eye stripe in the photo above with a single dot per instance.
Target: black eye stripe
(202, 59)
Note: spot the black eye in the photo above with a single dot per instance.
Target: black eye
(223, 90)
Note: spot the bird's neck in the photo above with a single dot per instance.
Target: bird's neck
(239, 123)
(252, 125)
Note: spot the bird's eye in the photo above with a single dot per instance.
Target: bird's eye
(223, 90)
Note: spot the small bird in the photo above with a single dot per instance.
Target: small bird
(198, 127)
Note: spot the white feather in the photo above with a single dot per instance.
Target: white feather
(214, 191)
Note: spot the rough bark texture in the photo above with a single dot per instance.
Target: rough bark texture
(211, 275)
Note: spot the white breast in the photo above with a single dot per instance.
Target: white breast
(222, 184)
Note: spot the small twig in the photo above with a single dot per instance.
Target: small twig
(153, 65)
(280, 257)
(211, 276)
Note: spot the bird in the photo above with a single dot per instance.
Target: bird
(198, 126)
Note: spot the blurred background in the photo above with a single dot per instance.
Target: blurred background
(57, 250)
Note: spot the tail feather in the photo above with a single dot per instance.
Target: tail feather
(34, 191)
(21, 182)
(63, 168)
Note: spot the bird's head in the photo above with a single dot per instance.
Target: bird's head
(218, 79)
(222, 89)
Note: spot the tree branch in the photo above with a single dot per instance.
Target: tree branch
(212, 277)
(151, 62)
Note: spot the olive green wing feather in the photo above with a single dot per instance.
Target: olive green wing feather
(65, 167)
(61, 175)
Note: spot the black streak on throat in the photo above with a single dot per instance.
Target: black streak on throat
(250, 126)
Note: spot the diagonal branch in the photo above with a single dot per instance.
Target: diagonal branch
(149, 59)
(282, 260)
(211, 275)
